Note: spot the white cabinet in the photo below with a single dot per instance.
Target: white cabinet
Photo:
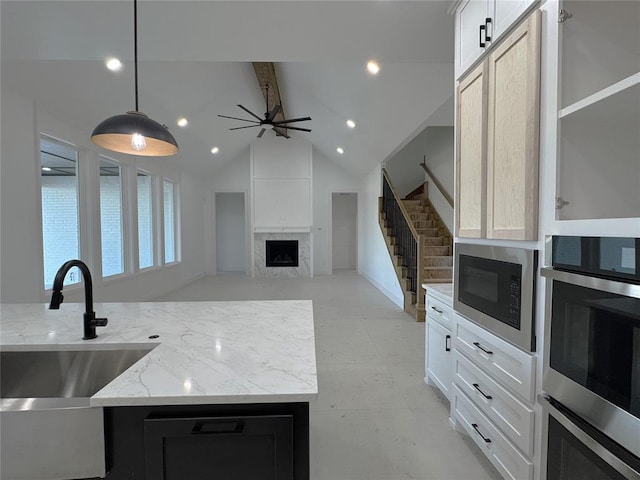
(599, 115)
(438, 356)
(592, 102)
(438, 360)
(505, 457)
(479, 24)
(493, 397)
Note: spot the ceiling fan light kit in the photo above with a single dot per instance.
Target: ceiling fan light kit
(133, 132)
(268, 122)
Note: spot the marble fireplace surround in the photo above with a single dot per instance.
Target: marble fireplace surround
(304, 255)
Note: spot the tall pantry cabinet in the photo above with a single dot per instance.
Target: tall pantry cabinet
(497, 138)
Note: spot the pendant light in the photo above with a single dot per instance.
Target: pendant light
(133, 132)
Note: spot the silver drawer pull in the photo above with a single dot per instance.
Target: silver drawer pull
(488, 352)
(434, 308)
(475, 427)
(477, 387)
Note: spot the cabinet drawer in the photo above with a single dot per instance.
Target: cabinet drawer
(507, 364)
(501, 452)
(514, 418)
(439, 311)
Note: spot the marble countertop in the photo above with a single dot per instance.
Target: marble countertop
(444, 291)
(205, 352)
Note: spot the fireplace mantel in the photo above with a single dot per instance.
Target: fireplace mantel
(281, 229)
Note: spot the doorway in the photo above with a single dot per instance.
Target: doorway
(230, 233)
(344, 231)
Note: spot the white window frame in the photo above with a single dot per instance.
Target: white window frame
(125, 208)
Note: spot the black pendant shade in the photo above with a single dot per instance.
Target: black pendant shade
(133, 132)
(117, 134)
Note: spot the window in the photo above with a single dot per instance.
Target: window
(111, 218)
(60, 220)
(145, 221)
(169, 222)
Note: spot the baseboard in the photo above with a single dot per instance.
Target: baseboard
(397, 299)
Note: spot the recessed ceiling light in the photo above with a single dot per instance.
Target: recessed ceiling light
(113, 64)
(183, 122)
(373, 67)
(351, 124)
(340, 150)
(215, 150)
(46, 169)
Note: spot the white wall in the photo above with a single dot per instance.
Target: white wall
(328, 177)
(21, 228)
(234, 176)
(282, 189)
(436, 144)
(374, 260)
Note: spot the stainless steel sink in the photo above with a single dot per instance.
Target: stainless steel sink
(44, 410)
(61, 374)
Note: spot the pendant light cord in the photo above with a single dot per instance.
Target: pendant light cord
(135, 47)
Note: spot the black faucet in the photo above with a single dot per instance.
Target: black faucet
(90, 320)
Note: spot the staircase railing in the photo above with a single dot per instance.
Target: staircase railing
(407, 238)
(437, 183)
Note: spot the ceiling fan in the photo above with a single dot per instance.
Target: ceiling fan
(268, 122)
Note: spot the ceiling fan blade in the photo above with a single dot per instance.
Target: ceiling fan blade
(261, 133)
(248, 126)
(250, 112)
(236, 118)
(294, 128)
(303, 119)
(274, 112)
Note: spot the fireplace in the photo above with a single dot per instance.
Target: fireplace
(281, 253)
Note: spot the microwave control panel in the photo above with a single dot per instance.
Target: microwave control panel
(514, 301)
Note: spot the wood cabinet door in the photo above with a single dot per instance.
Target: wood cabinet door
(513, 134)
(470, 204)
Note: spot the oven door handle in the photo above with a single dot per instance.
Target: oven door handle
(598, 449)
(610, 286)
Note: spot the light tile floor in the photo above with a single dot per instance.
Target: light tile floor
(375, 418)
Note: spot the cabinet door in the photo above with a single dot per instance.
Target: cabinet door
(513, 134)
(470, 16)
(439, 356)
(471, 153)
(504, 13)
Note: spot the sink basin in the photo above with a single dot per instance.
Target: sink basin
(66, 374)
(44, 409)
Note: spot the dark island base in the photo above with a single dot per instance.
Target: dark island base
(197, 442)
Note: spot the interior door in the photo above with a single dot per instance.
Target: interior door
(344, 235)
(230, 232)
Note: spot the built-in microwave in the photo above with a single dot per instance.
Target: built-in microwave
(495, 287)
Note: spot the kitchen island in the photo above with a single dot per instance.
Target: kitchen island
(250, 363)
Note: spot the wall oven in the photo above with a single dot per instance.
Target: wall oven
(575, 450)
(592, 341)
(495, 287)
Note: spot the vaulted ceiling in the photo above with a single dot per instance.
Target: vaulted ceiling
(195, 61)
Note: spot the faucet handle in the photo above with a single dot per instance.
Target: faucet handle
(100, 322)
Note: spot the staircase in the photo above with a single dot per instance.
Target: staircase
(426, 256)
(436, 241)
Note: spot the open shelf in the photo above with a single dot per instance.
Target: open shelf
(599, 172)
(600, 47)
(622, 85)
